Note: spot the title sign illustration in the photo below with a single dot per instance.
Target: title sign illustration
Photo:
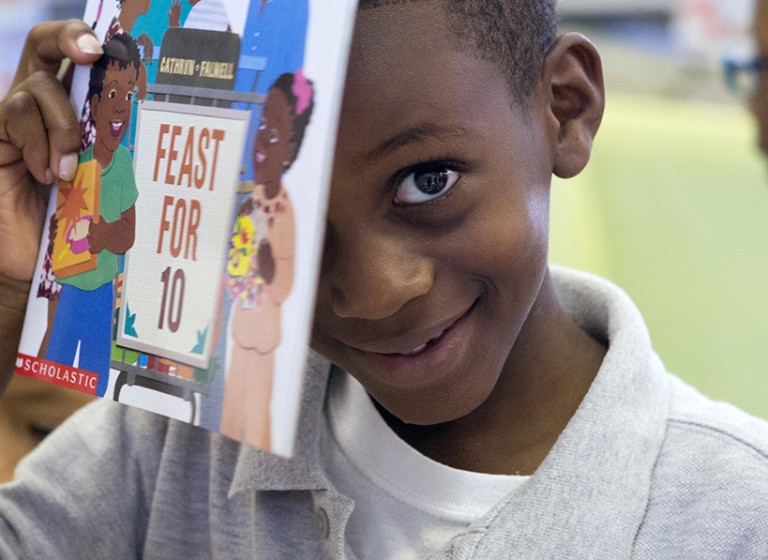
(173, 272)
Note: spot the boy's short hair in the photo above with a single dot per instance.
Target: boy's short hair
(513, 34)
(121, 50)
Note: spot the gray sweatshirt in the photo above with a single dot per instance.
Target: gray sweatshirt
(646, 469)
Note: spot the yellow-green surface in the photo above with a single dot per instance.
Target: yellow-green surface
(674, 208)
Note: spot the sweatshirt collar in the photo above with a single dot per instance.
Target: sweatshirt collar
(589, 495)
(257, 470)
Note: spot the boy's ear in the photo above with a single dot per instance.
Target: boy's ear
(573, 74)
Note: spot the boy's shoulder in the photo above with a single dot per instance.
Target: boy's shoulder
(709, 493)
(697, 420)
(715, 443)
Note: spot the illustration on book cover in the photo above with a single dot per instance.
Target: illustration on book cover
(178, 267)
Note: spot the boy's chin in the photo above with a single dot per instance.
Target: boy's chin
(426, 411)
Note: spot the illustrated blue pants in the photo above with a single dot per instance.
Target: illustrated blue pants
(84, 317)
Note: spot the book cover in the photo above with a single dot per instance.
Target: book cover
(177, 270)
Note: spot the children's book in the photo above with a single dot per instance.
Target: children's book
(177, 270)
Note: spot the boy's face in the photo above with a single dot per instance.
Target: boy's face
(438, 219)
(111, 111)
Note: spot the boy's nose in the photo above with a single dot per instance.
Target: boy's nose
(371, 276)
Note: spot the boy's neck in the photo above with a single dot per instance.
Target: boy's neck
(547, 374)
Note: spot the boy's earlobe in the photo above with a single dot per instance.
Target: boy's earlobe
(573, 72)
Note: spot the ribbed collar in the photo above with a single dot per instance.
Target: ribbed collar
(257, 470)
(588, 498)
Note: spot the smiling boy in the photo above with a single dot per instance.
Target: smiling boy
(463, 268)
(514, 411)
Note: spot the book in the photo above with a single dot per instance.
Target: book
(177, 271)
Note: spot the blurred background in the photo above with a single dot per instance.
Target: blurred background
(674, 204)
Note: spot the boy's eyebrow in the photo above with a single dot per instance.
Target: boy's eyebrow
(413, 135)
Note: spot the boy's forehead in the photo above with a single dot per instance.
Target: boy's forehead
(402, 56)
(381, 20)
(398, 40)
(409, 86)
(369, 4)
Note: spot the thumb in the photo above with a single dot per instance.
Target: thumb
(48, 44)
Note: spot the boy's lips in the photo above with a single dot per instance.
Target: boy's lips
(259, 157)
(420, 357)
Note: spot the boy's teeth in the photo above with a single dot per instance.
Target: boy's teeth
(416, 350)
(422, 346)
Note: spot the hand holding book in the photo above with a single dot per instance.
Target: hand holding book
(39, 139)
(181, 266)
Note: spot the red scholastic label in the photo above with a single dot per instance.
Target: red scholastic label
(66, 376)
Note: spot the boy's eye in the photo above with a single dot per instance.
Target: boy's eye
(273, 136)
(112, 93)
(129, 96)
(423, 185)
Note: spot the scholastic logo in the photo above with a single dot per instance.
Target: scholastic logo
(66, 376)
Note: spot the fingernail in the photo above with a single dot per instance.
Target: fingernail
(67, 167)
(88, 44)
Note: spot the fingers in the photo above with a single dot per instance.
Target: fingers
(48, 44)
(39, 121)
(36, 118)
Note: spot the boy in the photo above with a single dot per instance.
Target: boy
(533, 419)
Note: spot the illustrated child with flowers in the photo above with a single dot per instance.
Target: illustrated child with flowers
(261, 262)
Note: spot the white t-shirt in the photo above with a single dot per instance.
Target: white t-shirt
(406, 504)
